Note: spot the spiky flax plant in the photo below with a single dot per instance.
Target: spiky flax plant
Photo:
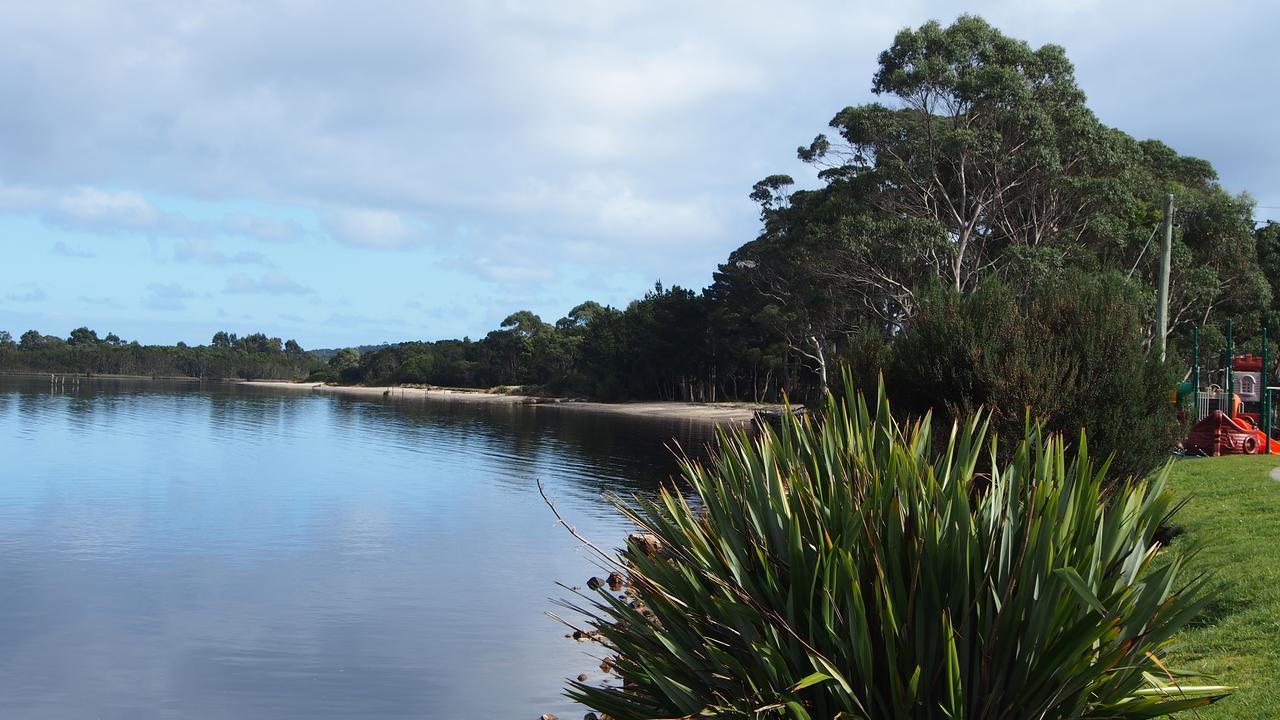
(850, 567)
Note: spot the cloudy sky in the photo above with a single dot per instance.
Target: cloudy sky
(348, 173)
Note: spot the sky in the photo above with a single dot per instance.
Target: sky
(354, 173)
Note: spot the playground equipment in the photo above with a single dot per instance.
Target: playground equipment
(1233, 416)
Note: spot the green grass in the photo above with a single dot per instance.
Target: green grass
(1233, 510)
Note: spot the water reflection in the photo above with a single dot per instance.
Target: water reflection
(221, 551)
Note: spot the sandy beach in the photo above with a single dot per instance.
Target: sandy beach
(719, 413)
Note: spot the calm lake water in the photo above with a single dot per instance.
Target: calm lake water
(188, 551)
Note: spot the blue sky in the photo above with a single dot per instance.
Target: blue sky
(358, 172)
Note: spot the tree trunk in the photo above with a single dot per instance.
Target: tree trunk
(822, 364)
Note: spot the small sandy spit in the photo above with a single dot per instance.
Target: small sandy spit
(719, 413)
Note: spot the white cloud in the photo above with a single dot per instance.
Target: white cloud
(348, 319)
(607, 208)
(90, 207)
(622, 85)
(422, 108)
(167, 297)
(36, 295)
(261, 228)
(18, 197)
(61, 249)
(413, 112)
(100, 301)
(511, 270)
(624, 211)
(374, 229)
(202, 251)
(272, 283)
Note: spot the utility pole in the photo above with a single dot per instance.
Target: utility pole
(1162, 291)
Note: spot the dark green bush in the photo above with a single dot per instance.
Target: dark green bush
(323, 375)
(1071, 350)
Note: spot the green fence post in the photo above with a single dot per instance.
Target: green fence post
(1195, 372)
(1266, 394)
(1231, 361)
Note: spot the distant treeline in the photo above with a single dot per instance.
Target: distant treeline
(327, 354)
(673, 344)
(254, 356)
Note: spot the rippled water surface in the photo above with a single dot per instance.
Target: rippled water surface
(188, 551)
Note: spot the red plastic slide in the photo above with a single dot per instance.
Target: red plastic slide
(1221, 434)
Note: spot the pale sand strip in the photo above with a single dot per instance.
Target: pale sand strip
(704, 412)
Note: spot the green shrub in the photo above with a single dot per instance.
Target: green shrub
(1072, 350)
(845, 569)
(323, 375)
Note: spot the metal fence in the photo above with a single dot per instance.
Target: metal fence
(1210, 399)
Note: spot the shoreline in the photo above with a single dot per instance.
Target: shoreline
(110, 376)
(716, 413)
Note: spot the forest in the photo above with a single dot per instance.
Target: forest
(226, 357)
(977, 233)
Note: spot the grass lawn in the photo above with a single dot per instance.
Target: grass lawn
(1234, 511)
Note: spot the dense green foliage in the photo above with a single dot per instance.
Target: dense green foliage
(658, 347)
(848, 569)
(1232, 511)
(253, 356)
(1069, 350)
